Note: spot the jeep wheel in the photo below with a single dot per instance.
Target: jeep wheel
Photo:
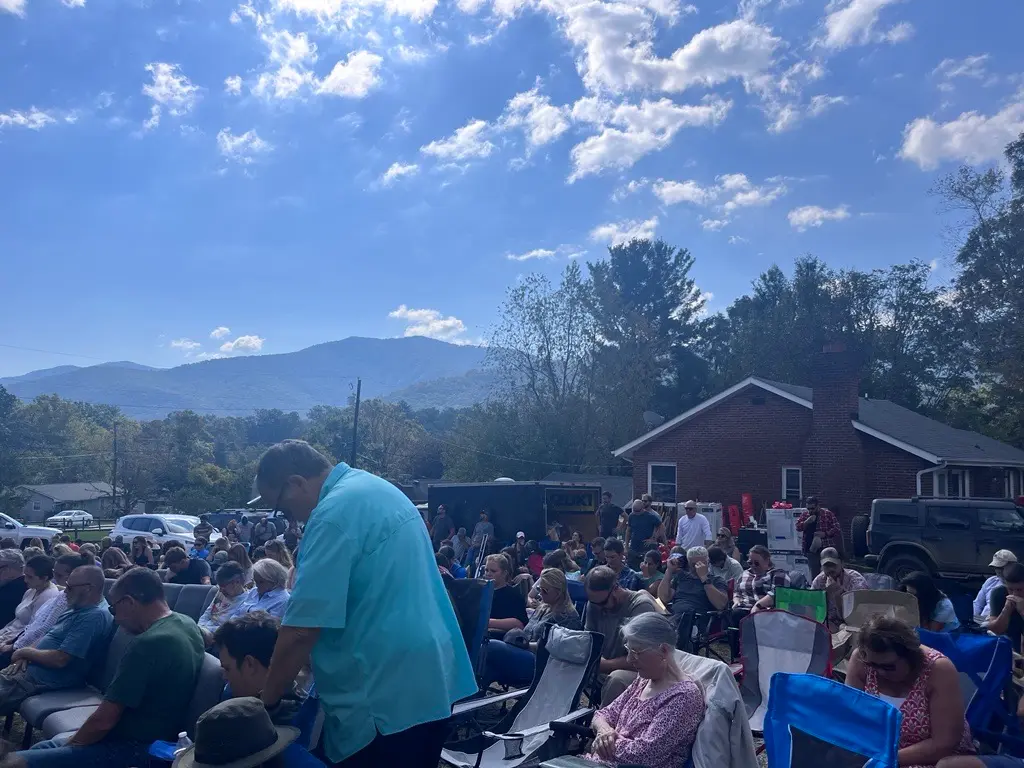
(859, 534)
(901, 566)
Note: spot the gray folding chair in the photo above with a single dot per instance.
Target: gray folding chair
(566, 661)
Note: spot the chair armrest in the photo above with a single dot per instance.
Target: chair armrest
(572, 717)
(469, 707)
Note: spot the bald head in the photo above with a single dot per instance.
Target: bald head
(85, 586)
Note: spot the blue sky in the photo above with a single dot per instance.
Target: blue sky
(186, 179)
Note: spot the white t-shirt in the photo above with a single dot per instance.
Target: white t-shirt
(693, 532)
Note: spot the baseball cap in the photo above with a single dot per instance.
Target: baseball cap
(831, 555)
(520, 535)
(1002, 558)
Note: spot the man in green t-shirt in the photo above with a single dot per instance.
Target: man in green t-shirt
(151, 689)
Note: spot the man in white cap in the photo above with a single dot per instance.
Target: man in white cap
(520, 546)
(693, 530)
(1000, 560)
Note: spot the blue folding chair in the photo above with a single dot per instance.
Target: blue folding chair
(472, 601)
(985, 665)
(858, 725)
(578, 595)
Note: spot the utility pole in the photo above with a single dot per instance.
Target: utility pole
(113, 489)
(355, 424)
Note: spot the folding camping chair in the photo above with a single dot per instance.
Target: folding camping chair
(777, 641)
(810, 603)
(861, 605)
(566, 662)
(985, 664)
(578, 595)
(471, 599)
(860, 730)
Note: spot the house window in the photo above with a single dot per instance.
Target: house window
(1012, 483)
(952, 484)
(661, 482)
(37, 506)
(792, 484)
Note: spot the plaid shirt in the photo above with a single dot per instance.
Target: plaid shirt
(751, 587)
(827, 527)
(630, 579)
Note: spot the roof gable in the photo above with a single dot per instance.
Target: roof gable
(65, 492)
(901, 427)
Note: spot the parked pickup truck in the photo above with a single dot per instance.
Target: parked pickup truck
(951, 538)
(21, 533)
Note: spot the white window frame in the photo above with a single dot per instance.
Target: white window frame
(965, 483)
(1012, 483)
(801, 471)
(37, 506)
(675, 476)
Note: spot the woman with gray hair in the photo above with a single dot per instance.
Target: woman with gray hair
(269, 594)
(654, 721)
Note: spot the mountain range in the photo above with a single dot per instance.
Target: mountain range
(423, 372)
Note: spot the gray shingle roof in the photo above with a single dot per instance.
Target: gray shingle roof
(65, 492)
(948, 443)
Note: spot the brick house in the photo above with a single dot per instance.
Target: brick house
(779, 441)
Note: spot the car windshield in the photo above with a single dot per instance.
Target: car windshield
(4, 519)
(177, 527)
(187, 525)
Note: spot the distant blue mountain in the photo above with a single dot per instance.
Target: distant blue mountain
(325, 374)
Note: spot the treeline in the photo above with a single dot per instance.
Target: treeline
(582, 359)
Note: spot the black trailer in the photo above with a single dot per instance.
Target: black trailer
(528, 506)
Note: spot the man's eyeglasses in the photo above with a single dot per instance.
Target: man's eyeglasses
(280, 498)
(113, 606)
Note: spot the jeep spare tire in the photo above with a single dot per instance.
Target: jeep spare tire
(901, 565)
(859, 534)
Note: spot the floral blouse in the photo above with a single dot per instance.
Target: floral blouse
(657, 732)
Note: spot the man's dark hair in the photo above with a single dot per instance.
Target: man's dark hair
(141, 584)
(442, 560)
(448, 552)
(598, 542)
(653, 556)
(74, 561)
(601, 579)
(716, 556)
(42, 566)
(230, 570)
(253, 634)
(174, 555)
(287, 458)
(607, 494)
(65, 539)
(614, 545)
(200, 542)
(1014, 573)
(761, 550)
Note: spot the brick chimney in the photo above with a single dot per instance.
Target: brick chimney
(833, 456)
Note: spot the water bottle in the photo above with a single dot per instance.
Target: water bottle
(184, 743)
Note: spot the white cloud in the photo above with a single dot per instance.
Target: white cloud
(17, 7)
(170, 91)
(429, 322)
(745, 194)
(854, 22)
(820, 104)
(737, 240)
(541, 122)
(243, 344)
(34, 119)
(713, 225)
(410, 54)
(536, 253)
(396, 171)
(241, 148)
(971, 137)
(617, 42)
(220, 332)
(617, 233)
(335, 14)
(673, 192)
(814, 216)
(289, 59)
(629, 188)
(629, 131)
(186, 345)
(353, 78)
(467, 143)
(233, 85)
(971, 67)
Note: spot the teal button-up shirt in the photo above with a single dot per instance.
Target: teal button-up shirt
(390, 654)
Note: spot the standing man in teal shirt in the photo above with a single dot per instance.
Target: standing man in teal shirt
(371, 610)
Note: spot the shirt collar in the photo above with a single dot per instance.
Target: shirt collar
(333, 479)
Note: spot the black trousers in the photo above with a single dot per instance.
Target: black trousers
(417, 747)
(736, 616)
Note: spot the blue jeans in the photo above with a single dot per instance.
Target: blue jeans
(508, 665)
(106, 754)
